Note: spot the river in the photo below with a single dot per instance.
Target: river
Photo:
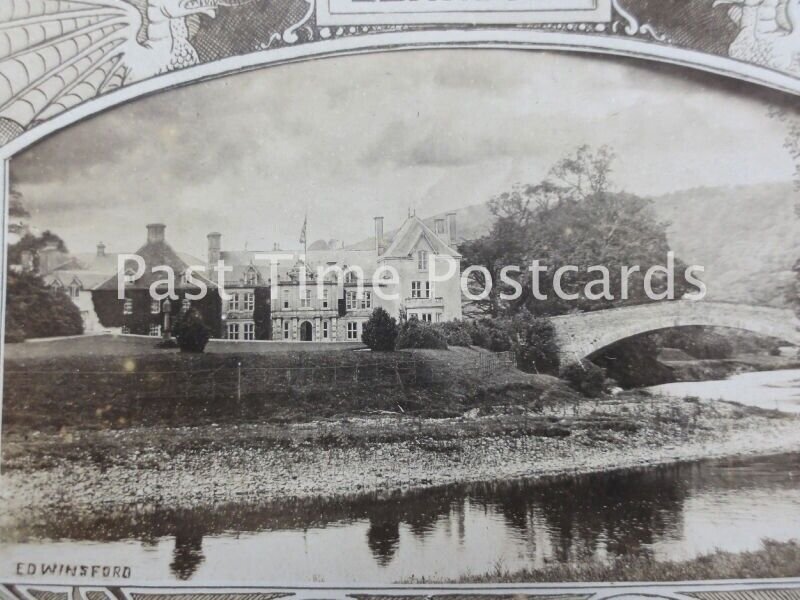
(779, 390)
(666, 512)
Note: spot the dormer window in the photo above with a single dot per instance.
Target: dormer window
(422, 260)
(252, 277)
(351, 277)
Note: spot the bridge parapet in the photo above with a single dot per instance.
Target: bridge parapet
(581, 334)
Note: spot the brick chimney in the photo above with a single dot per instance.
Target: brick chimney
(380, 247)
(439, 228)
(452, 233)
(214, 247)
(101, 249)
(155, 233)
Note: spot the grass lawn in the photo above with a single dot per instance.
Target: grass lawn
(112, 382)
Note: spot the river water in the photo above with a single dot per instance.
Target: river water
(778, 390)
(665, 512)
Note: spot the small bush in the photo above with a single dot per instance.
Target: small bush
(191, 332)
(536, 348)
(491, 334)
(380, 331)
(457, 333)
(585, 377)
(417, 334)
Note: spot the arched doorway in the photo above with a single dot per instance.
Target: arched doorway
(306, 331)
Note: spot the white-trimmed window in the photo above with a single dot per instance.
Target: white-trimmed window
(125, 330)
(285, 298)
(351, 277)
(325, 294)
(422, 260)
(305, 298)
(352, 299)
(426, 317)
(249, 331)
(74, 290)
(252, 277)
(366, 300)
(352, 330)
(155, 330)
(325, 326)
(233, 302)
(127, 306)
(233, 331)
(155, 307)
(286, 330)
(249, 301)
(420, 289)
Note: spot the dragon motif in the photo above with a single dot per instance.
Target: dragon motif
(56, 54)
(769, 33)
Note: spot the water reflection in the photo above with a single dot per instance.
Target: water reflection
(566, 519)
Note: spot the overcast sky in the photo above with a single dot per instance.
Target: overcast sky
(349, 138)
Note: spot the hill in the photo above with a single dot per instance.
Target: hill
(746, 237)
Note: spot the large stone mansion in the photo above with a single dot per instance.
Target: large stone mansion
(336, 308)
(296, 305)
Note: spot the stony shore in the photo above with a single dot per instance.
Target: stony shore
(379, 453)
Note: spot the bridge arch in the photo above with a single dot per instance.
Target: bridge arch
(580, 335)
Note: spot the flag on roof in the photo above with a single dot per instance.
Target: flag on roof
(303, 232)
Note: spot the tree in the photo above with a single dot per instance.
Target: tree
(34, 244)
(574, 217)
(191, 332)
(33, 310)
(380, 331)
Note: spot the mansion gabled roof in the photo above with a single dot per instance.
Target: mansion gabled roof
(154, 254)
(408, 236)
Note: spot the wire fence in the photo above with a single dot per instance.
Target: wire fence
(228, 383)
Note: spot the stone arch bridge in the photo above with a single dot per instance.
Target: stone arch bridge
(580, 335)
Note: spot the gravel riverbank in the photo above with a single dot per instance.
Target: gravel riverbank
(189, 467)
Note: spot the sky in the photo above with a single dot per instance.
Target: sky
(344, 140)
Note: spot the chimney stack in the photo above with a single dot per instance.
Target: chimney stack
(379, 245)
(439, 228)
(101, 249)
(452, 236)
(155, 233)
(214, 247)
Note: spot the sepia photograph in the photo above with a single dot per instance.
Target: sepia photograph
(482, 316)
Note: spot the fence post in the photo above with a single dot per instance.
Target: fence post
(239, 381)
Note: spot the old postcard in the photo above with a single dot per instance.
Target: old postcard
(365, 299)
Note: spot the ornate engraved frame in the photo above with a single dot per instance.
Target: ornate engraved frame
(697, 34)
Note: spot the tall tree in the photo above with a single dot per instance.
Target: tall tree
(574, 217)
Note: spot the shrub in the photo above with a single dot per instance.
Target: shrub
(491, 334)
(33, 310)
(457, 333)
(380, 331)
(585, 377)
(536, 348)
(417, 334)
(191, 332)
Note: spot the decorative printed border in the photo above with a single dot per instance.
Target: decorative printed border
(38, 98)
(58, 56)
(717, 590)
